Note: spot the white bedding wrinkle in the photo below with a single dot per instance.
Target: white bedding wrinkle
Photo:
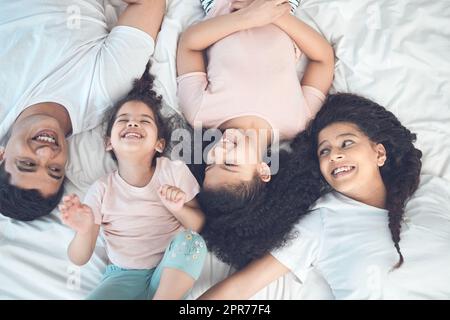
(394, 52)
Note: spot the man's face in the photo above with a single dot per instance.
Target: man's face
(36, 154)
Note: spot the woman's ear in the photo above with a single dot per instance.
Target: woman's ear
(108, 145)
(160, 145)
(264, 172)
(381, 154)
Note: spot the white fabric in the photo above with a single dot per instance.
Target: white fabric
(393, 52)
(62, 51)
(350, 244)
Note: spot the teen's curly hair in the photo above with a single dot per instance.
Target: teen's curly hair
(401, 171)
(245, 221)
(142, 91)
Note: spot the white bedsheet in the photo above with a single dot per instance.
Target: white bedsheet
(395, 52)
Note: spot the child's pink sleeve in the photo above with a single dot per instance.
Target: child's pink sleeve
(184, 179)
(191, 89)
(314, 100)
(93, 199)
(188, 183)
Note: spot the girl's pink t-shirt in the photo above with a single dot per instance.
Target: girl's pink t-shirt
(135, 224)
(250, 72)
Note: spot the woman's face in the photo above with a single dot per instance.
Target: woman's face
(349, 161)
(134, 131)
(234, 159)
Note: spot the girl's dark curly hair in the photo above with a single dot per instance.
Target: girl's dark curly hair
(142, 91)
(401, 171)
(246, 221)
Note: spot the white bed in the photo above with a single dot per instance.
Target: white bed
(395, 52)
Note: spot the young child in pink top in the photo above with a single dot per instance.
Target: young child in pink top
(146, 204)
(237, 73)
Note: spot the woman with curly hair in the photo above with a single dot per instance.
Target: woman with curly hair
(245, 221)
(369, 169)
(248, 89)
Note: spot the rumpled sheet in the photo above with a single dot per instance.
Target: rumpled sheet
(394, 52)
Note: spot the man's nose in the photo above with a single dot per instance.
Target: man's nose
(45, 152)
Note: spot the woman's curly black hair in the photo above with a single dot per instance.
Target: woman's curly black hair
(142, 91)
(248, 220)
(401, 171)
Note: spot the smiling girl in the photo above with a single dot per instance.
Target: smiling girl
(144, 207)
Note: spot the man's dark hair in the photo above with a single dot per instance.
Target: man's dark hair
(23, 204)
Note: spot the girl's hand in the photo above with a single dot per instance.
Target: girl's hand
(76, 215)
(172, 197)
(262, 12)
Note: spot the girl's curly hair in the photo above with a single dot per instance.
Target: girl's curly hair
(246, 221)
(142, 91)
(401, 171)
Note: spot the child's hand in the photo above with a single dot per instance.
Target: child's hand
(76, 215)
(262, 12)
(172, 197)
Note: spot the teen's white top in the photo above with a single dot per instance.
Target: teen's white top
(350, 244)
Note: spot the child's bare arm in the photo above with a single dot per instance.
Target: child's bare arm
(82, 246)
(320, 70)
(204, 34)
(80, 218)
(247, 282)
(190, 216)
